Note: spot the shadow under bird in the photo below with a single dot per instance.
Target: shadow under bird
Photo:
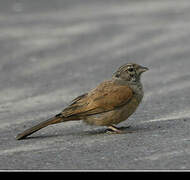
(110, 103)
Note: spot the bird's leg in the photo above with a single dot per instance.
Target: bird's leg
(114, 129)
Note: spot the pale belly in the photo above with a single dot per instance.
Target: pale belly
(115, 116)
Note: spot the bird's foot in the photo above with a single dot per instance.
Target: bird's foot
(114, 130)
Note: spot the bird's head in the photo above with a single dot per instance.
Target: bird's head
(130, 72)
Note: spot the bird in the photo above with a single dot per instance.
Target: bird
(108, 104)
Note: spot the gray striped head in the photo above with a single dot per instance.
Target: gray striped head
(130, 72)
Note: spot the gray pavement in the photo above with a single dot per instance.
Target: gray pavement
(52, 51)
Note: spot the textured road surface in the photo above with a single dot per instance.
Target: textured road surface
(52, 51)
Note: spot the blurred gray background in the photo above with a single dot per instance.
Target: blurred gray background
(53, 50)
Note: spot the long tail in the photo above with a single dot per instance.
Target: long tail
(53, 120)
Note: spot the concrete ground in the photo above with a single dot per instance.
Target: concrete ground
(53, 51)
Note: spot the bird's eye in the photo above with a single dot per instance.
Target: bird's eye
(130, 69)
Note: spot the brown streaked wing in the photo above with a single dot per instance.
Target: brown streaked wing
(104, 97)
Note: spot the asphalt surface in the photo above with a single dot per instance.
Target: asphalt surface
(53, 51)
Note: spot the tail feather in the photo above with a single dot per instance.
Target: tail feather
(53, 120)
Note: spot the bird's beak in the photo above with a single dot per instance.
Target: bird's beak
(143, 69)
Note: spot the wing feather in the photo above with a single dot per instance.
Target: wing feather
(104, 97)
